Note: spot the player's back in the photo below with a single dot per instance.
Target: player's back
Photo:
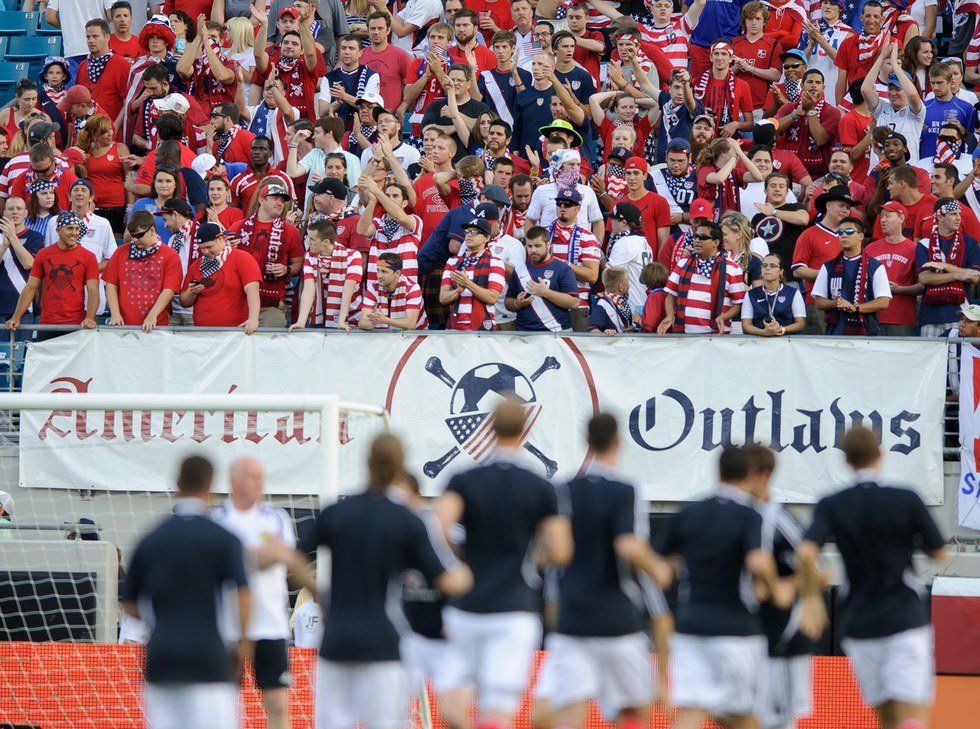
(713, 537)
(593, 588)
(503, 506)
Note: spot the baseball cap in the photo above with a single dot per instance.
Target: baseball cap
(703, 117)
(479, 224)
(637, 163)
(679, 144)
(371, 98)
(620, 153)
(289, 10)
(496, 194)
(894, 81)
(628, 213)
(796, 53)
(41, 131)
(176, 205)
(487, 211)
(207, 232)
(701, 208)
(203, 164)
(330, 186)
(7, 501)
(894, 206)
(967, 310)
(173, 102)
(277, 188)
(570, 194)
(83, 183)
(75, 95)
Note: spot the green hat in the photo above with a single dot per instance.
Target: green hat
(560, 125)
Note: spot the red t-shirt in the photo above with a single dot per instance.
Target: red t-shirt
(763, 53)
(654, 311)
(258, 247)
(643, 130)
(18, 188)
(783, 160)
(655, 214)
(129, 49)
(392, 66)
(238, 150)
(227, 217)
(716, 96)
(499, 13)
(429, 204)
(224, 304)
(348, 236)
(485, 60)
(815, 246)
(113, 85)
(589, 60)
(899, 262)
(140, 282)
(192, 7)
(797, 138)
(851, 130)
(914, 215)
(847, 59)
(969, 223)
(63, 274)
(431, 92)
(300, 81)
(784, 27)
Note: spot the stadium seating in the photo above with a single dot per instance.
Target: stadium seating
(32, 50)
(14, 22)
(10, 73)
(45, 28)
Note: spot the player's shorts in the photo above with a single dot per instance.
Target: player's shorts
(271, 664)
(192, 706)
(616, 671)
(424, 659)
(374, 694)
(491, 652)
(787, 691)
(720, 674)
(898, 667)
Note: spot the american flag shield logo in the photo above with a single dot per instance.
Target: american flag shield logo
(475, 435)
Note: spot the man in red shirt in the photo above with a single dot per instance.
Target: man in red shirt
(70, 275)
(44, 166)
(467, 50)
(228, 141)
(276, 246)
(726, 98)
(426, 76)
(903, 187)
(104, 73)
(223, 284)
(122, 41)
(809, 127)
(298, 63)
(246, 184)
(211, 76)
(390, 63)
(944, 178)
(429, 204)
(589, 44)
(897, 253)
(857, 53)
(654, 209)
(758, 59)
(142, 278)
(472, 281)
(491, 16)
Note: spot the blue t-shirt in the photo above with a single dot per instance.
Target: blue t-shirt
(33, 242)
(944, 313)
(505, 82)
(937, 114)
(676, 124)
(719, 20)
(532, 110)
(560, 277)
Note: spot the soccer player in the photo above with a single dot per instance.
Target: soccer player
(180, 570)
(494, 629)
(884, 618)
(718, 651)
(254, 521)
(599, 649)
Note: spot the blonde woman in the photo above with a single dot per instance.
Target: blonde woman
(743, 247)
(241, 35)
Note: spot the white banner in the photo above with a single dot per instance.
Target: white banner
(968, 505)
(679, 400)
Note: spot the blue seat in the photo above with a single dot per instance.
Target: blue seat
(3, 46)
(32, 48)
(14, 22)
(45, 28)
(10, 74)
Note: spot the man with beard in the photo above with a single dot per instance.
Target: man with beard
(466, 50)
(104, 73)
(902, 186)
(245, 185)
(521, 190)
(157, 95)
(878, 190)
(228, 141)
(702, 133)
(156, 43)
(840, 174)
(542, 290)
(330, 196)
(297, 62)
(677, 182)
(809, 128)
(575, 245)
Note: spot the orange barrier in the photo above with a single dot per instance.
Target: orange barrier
(88, 685)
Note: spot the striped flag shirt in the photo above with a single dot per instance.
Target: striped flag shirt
(697, 315)
(472, 314)
(407, 296)
(404, 242)
(329, 274)
(587, 251)
(673, 39)
(17, 166)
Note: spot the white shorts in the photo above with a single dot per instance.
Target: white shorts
(192, 706)
(374, 694)
(899, 667)
(617, 672)
(787, 692)
(491, 652)
(424, 659)
(720, 674)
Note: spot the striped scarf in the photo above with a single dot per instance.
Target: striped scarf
(868, 45)
(272, 252)
(713, 269)
(854, 323)
(724, 115)
(952, 292)
(462, 308)
(947, 153)
(96, 66)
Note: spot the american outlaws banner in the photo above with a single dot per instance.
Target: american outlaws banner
(679, 400)
(968, 505)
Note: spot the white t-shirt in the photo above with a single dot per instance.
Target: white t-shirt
(315, 161)
(73, 15)
(307, 625)
(419, 13)
(543, 209)
(510, 251)
(963, 164)
(905, 122)
(98, 239)
(245, 59)
(968, 96)
(270, 599)
(918, 12)
(755, 192)
(406, 155)
(632, 252)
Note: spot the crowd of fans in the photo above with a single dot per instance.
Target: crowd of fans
(728, 167)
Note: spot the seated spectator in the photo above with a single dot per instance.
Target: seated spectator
(472, 281)
(18, 246)
(654, 277)
(853, 287)
(897, 253)
(222, 284)
(332, 275)
(75, 300)
(393, 301)
(612, 313)
(142, 278)
(542, 290)
(773, 308)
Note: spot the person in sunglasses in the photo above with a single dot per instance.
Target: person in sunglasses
(228, 141)
(787, 91)
(853, 287)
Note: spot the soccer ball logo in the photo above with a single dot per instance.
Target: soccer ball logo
(474, 396)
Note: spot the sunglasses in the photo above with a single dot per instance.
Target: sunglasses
(792, 66)
(703, 236)
(142, 233)
(566, 204)
(45, 171)
(847, 231)
(950, 140)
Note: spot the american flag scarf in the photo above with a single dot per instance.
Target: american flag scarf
(210, 266)
(854, 323)
(96, 66)
(139, 254)
(390, 227)
(224, 142)
(952, 292)
(868, 45)
(713, 269)
(615, 180)
(947, 152)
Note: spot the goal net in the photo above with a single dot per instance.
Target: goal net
(85, 476)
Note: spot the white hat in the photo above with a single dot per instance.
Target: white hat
(371, 98)
(203, 163)
(173, 102)
(6, 503)
(969, 311)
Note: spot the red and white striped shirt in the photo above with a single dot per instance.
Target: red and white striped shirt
(328, 274)
(470, 313)
(587, 250)
(404, 242)
(673, 39)
(406, 297)
(17, 166)
(697, 313)
(972, 56)
(245, 185)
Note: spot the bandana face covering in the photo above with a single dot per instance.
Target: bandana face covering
(567, 177)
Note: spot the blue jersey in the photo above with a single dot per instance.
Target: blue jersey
(944, 313)
(560, 277)
(719, 20)
(532, 110)
(676, 124)
(937, 114)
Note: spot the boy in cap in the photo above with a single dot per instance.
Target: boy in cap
(473, 280)
(897, 253)
(654, 209)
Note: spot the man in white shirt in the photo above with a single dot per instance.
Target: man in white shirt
(390, 125)
(257, 523)
(629, 250)
(565, 169)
